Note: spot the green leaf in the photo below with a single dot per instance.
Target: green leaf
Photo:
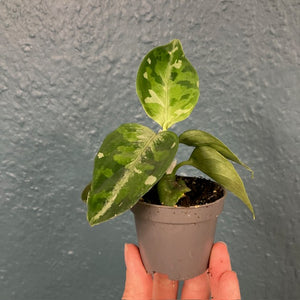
(130, 161)
(215, 165)
(171, 190)
(167, 84)
(199, 138)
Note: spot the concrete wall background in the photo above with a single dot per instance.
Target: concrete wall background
(67, 78)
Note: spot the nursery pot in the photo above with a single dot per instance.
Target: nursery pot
(176, 241)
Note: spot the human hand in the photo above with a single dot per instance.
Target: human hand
(219, 282)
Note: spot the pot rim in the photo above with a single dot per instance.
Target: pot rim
(178, 215)
(161, 206)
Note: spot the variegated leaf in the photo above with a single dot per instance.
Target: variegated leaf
(199, 138)
(171, 190)
(216, 166)
(167, 84)
(130, 161)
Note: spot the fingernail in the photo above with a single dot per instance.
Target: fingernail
(223, 243)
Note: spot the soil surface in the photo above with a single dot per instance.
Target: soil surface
(203, 191)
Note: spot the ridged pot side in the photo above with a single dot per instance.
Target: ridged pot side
(176, 241)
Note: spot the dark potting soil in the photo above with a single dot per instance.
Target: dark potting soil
(203, 191)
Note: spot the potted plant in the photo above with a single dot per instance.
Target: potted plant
(134, 169)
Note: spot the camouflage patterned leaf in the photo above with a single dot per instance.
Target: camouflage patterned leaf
(216, 166)
(130, 161)
(198, 138)
(167, 84)
(171, 190)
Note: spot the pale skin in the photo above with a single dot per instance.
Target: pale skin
(219, 282)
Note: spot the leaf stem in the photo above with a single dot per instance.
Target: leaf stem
(183, 163)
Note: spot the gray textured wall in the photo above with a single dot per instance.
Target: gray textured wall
(67, 78)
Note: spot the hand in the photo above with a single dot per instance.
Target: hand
(219, 282)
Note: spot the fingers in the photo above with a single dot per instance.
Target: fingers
(196, 288)
(224, 283)
(219, 263)
(163, 287)
(138, 283)
(228, 287)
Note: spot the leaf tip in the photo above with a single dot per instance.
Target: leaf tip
(252, 211)
(92, 221)
(250, 170)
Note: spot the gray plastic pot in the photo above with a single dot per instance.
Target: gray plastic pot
(176, 241)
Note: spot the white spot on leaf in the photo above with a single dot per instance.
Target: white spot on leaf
(100, 155)
(145, 75)
(179, 112)
(174, 50)
(177, 64)
(150, 180)
(137, 171)
(171, 167)
(154, 98)
(149, 60)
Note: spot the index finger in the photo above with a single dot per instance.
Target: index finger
(219, 261)
(223, 281)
